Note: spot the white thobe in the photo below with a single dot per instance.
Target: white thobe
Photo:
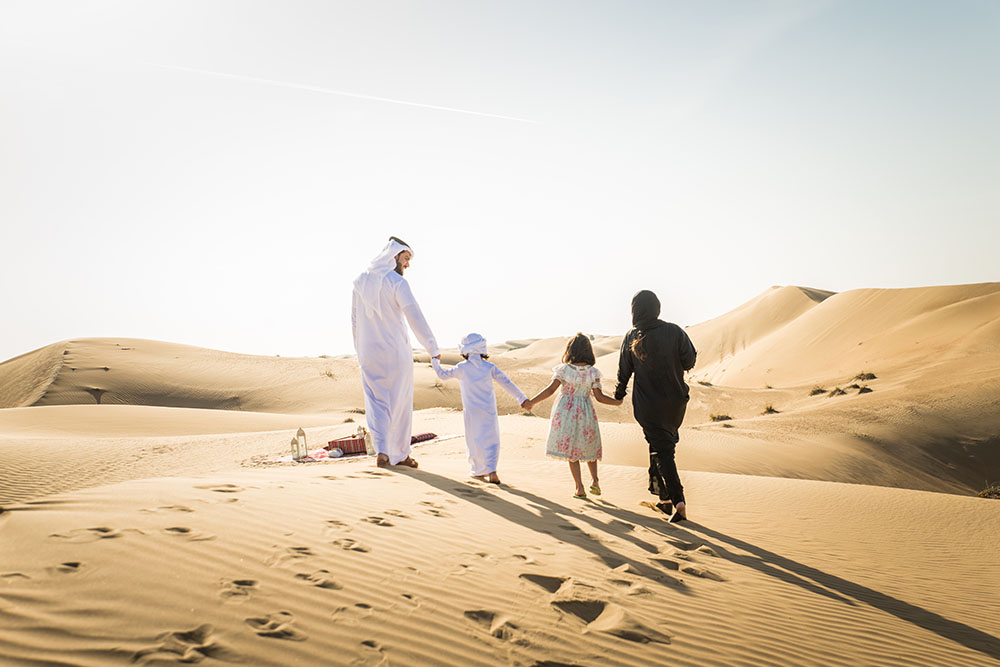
(479, 408)
(386, 360)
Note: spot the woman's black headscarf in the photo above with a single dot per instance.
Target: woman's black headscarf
(645, 316)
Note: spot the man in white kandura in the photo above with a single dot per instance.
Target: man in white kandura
(382, 299)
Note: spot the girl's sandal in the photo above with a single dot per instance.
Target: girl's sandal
(580, 496)
(595, 490)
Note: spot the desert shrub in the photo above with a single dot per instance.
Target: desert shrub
(817, 390)
(767, 386)
(349, 420)
(837, 391)
(719, 418)
(769, 410)
(728, 426)
(992, 491)
(864, 390)
(864, 376)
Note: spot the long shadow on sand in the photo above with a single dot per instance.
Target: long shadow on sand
(792, 571)
(546, 519)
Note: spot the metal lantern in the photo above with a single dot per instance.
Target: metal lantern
(303, 449)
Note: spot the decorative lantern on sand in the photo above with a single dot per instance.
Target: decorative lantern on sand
(303, 450)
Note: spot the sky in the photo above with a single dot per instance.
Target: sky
(217, 173)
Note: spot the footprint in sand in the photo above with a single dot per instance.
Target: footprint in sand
(615, 620)
(354, 614)
(186, 646)
(11, 576)
(701, 572)
(70, 567)
(378, 521)
(320, 579)
(167, 508)
(434, 509)
(707, 550)
(81, 535)
(497, 625)
(398, 514)
(188, 534)
(348, 544)
(276, 626)
(238, 590)
(682, 545)
(551, 584)
(221, 488)
(671, 565)
(288, 553)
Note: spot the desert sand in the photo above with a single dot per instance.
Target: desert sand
(140, 523)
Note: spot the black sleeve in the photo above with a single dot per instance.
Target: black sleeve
(624, 367)
(688, 354)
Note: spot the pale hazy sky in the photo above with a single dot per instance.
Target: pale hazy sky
(216, 173)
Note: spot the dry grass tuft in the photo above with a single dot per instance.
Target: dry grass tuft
(770, 410)
(992, 491)
(719, 418)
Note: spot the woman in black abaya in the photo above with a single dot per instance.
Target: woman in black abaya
(657, 353)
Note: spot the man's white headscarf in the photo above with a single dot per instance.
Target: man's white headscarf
(472, 345)
(369, 284)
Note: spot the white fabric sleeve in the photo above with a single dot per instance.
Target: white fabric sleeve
(557, 372)
(508, 385)
(444, 374)
(595, 382)
(415, 318)
(354, 319)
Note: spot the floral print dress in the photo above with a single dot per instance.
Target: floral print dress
(573, 431)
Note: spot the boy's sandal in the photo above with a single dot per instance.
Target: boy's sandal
(594, 489)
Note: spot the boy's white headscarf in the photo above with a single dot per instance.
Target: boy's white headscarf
(472, 345)
(369, 284)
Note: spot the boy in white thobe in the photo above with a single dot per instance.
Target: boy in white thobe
(479, 404)
(382, 306)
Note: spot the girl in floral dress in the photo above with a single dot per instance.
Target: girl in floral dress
(574, 434)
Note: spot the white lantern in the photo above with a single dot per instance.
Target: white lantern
(295, 449)
(303, 449)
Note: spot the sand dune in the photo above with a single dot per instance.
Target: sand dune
(347, 564)
(140, 525)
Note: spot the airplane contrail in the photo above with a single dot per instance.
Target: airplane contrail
(342, 93)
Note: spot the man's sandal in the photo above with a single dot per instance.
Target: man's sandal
(409, 462)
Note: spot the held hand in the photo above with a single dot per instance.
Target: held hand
(437, 356)
(526, 404)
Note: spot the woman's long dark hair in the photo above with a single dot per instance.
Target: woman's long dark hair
(579, 351)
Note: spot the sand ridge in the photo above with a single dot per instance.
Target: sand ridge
(139, 523)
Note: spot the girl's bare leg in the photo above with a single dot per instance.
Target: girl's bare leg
(574, 469)
(593, 473)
